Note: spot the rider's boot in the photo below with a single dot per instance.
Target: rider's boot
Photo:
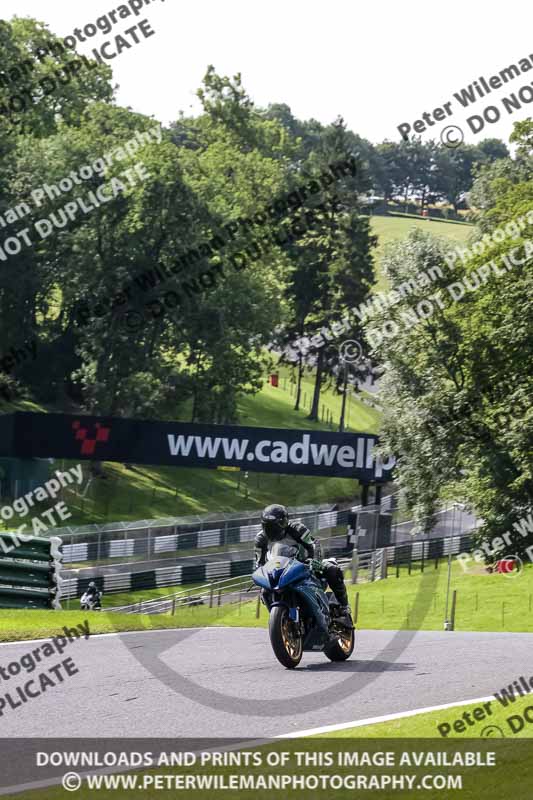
(342, 597)
(334, 577)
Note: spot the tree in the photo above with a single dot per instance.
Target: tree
(453, 175)
(452, 373)
(236, 162)
(333, 266)
(29, 286)
(30, 53)
(493, 149)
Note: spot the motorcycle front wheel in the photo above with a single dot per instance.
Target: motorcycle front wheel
(285, 638)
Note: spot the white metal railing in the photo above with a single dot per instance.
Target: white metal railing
(212, 592)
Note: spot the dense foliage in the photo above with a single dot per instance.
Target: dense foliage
(228, 164)
(458, 383)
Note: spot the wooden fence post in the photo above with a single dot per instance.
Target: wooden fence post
(355, 565)
(452, 613)
(384, 565)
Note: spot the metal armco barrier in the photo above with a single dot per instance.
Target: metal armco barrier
(431, 548)
(148, 541)
(30, 572)
(155, 578)
(215, 571)
(374, 563)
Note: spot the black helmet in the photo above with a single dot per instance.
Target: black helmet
(274, 520)
(92, 585)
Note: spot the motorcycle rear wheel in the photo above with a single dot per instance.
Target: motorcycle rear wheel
(286, 643)
(342, 648)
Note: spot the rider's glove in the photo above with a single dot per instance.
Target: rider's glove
(314, 564)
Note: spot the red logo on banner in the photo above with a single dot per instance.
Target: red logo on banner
(89, 444)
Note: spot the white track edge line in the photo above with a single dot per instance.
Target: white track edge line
(118, 633)
(385, 718)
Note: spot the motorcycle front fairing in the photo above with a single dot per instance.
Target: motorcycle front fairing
(279, 573)
(269, 574)
(314, 597)
(282, 572)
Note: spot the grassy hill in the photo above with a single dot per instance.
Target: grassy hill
(394, 228)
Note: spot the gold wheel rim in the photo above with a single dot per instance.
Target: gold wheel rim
(345, 642)
(292, 645)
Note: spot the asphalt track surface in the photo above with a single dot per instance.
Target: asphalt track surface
(207, 682)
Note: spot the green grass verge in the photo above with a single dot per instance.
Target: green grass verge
(416, 602)
(129, 598)
(16, 626)
(426, 726)
(484, 602)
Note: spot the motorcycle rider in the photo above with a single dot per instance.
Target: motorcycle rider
(93, 595)
(277, 528)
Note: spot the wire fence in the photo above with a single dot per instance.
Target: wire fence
(366, 567)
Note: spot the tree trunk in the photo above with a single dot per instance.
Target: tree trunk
(318, 384)
(344, 393)
(299, 383)
(195, 389)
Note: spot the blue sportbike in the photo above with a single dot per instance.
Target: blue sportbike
(303, 616)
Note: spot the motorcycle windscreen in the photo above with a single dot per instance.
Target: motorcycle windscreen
(281, 550)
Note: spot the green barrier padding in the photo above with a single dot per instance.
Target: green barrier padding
(32, 594)
(29, 572)
(19, 602)
(18, 574)
(36, 549)
(29, 555)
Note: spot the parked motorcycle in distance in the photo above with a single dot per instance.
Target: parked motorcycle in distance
(91, 602)
(303, 616)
